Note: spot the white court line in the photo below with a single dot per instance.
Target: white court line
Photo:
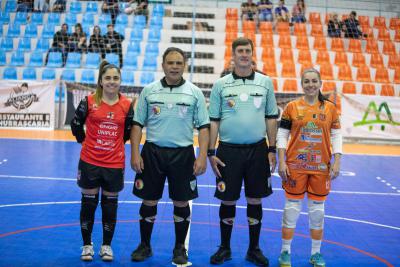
(204, 205)
(200, 185)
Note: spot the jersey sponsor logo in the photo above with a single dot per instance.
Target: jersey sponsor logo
(311, 131)
(221, 186)
(302, 157)
(310, 125)
(156, 110)
(315, 158)
(257, 102)
(231, 103)
(244, 97)
(139, 184)
(107, 129)
(307, 138)
(193, 184)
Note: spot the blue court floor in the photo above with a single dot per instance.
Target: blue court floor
(40, 203)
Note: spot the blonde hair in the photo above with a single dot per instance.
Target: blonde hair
(104, 66)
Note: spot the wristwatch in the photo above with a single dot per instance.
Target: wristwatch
(211, 152)
(272, 149)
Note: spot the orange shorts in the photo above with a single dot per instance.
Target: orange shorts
(317, 186)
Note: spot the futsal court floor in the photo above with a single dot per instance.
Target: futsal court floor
(40, 203)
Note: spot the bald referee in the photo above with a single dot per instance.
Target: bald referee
(169, 109)
(242, 110)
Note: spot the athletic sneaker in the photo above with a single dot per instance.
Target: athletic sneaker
(180, 255)
(257, 257)
(284, 259)
(106, 253)
(223, 254)
(141, 253)
(87, 253)
(317, 260)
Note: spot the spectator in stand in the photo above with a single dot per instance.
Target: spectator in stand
(97, 42)
(59, 6)
(60, 43)
(111, 7)
(281, 12)
(138, 7)
(352, 27)
(113, 42)
(40, 5)
(265, 10)
(228, 69)
(299, 12)
(335, 26)
(24, 5)
(249, 11)
(77, 41)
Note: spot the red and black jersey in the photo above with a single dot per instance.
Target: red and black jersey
(104, 143)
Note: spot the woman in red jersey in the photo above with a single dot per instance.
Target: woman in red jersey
(313, 125)
(108, 118)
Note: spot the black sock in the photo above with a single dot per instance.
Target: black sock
(227, 215)
(109, 205)
(182, 221)
(88, 209)
(254, 217)
(147, 218)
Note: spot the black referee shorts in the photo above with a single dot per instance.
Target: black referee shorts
(176, 164)
(248, 162)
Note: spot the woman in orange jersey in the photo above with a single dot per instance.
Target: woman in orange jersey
(313, 124)
(108, 118)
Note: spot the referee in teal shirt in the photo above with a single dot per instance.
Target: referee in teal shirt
(169, 109)
(242, 110)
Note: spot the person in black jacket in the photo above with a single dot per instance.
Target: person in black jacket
(352, 27)
(113, 42)
(60, 43)
(97, 42)
(335, 26)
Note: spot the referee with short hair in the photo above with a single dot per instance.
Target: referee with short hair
(169, 109)
(242, 110)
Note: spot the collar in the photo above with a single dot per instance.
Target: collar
(165, 84)
(250, 77)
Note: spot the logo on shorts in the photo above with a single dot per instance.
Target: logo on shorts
(139, 184)
(221, 186)
(231, 103)
(156, 110)
(193, 184)
(79, 175)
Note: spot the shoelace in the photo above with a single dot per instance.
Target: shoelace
(107, 250)
(87, 250)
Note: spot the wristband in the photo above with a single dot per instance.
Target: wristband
(211, 152)
(272, 149)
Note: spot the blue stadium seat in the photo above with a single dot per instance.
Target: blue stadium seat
(75, 7)
(7, 44)
(31, 30)
(88, 76)
(122, 19)
(1, 30)
(55, 60)
(127, 78)
(136, 34)
(122, 6)
(92, 60)
(120, 29)
(17, 58)
(37, 18)
(20, 18)
(10, 73)
(36, 59)
(91, 7)
(86, 29)
(24, 44)
(29, 74)
(48, 31)
(130, 61)
(139, 21)
(113, 58)
(3, 59)
(103, 28)
(152, 49)
(158, 10)
(134, 47)
(105, 19)
(48, 74)
(150, 64)
(11, 6)
(156, 22)
(42, 44)
(54, 18)
(146, 78)
(88, 18)
(4, 18)
(73, 60)
(70, 19)
(68, 75)
(14, 30)
(154, 35)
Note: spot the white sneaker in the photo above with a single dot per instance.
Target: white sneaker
(87, 253)
(106, 253)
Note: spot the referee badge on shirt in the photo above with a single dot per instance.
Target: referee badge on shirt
(182, 111)
(193, 184)
(257, 102)
(139, 184)
(156, 110)
(221, 186)
(231, 103)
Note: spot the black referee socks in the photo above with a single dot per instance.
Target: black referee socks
(88, 208)
(227, 215)
(182, 221)
(254, 217)
(109, 205)
(147, 218)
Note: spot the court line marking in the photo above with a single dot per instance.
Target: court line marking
(199, 185)
(205, 223)
(200, 204)
(388, 184)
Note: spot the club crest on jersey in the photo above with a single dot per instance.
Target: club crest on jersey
(193, 184)
(156, 110)
(139, 184)
(110, 115)
(257, 102)
(221, 186)
(231, 103)
(322, 117)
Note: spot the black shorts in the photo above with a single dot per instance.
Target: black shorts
(160, 162)
(92, 176)
(243, 162)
